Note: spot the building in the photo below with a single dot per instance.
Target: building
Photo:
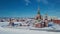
(38, 17)
(39, 20)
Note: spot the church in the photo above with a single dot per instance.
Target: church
(41, 22)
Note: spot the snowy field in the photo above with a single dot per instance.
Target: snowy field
(21, 31)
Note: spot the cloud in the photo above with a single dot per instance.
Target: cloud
(38, 0)
(43, 1)
(27, 2)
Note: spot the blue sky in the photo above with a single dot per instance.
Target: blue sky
(28, 8)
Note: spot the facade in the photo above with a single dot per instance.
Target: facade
(56, 21)
(38, 15)
(39, 20)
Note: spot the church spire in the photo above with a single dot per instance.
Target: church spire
(38, 7)
(46, 16)
(38, 17)
(38, 10)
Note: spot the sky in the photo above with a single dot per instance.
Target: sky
(29, 8)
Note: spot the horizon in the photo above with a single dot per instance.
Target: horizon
(29, 8)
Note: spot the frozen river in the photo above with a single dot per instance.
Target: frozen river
(21, 31)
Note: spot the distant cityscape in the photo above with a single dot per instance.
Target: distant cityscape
(17, 19)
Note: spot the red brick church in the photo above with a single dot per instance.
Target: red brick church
(39, 17)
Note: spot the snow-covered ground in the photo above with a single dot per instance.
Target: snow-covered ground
(21, 31)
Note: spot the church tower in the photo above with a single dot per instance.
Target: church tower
(46, 20)
(38, 17)
(46, 16)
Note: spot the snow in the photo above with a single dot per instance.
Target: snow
(21, 31)
(4, 23)
(56, 27)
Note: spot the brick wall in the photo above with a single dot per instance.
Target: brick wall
(56, 21)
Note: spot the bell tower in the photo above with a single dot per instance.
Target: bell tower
(38, 17)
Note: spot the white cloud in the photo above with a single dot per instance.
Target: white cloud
(27, 2)
(38, 0)
(43, 1)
